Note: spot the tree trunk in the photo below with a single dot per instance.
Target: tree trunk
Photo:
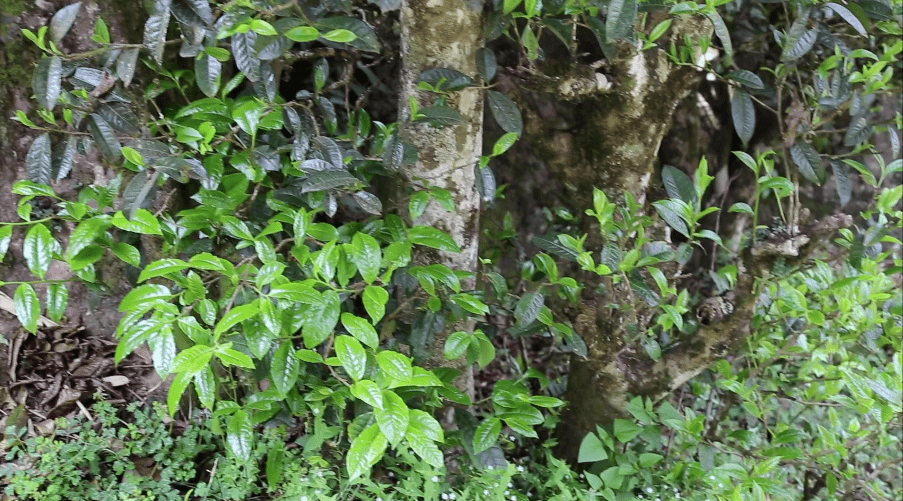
(445, 34)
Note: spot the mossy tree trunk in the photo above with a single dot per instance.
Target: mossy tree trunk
(445, 34)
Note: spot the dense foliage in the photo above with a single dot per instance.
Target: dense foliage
(282, 282)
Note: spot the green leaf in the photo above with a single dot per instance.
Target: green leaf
(432, 237)
(591, 450)
(368, 392)
(659, 30)
(262, 27)
(746, 78)
(360, 329)
(393, 418)
(38, 160)
(486, 435)
(303, 34)
(284, 368)
(240, 436)
(142, 221)
(207, 72)
(176, 390)
(744, 115)
(368, 202)
(620, 20)
(528, 307)
(808, 160)
(126, 64)
(57, 300)
(842, 180)
(104, 138)
(205, 385)
(440, 116)
(670, 211)
(418, 203)
(6, 233)
(320, 319)
(101, 32)
(504, 143)
(340, 36)
(723, 34)
(230, 357)
(47, 81)
(470, 303)
(505, 112)
(800, 39)
(395, 365)
(625, 430)
(375, 299)
(62, 21)
(275, 466)
(84, 235)
(328, 180)
(270, 316)
(848, 16)
(155, 31)
(207, 261)
(678, 185)
(38, 249)
(162, 267)
(236, 314)
(366, 449)
(163, 350)
(28, 307)
(366, 256)
(366, 37)
(456, 344)
(424, 447)
(143, 295)
(352, 355)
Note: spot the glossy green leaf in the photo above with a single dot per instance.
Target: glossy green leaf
(375, 299)
(848, 16)
(366, 255)
(57, 300)
(162, 267)
(284, 368)
(366, 449)
(487, 434)
(205, 385)
(155, 30)
(104, 138)
(240, 436)
(236, 314)
(141, 221)
(38, 161)
(395, 365)
(393, 417)
(38, 249)
(47, 81)
(424, 447)
(176, 390)
(360, 329)
(207, 72)
(28, 307)
(432, 237)
(352, 356)
(723, 34)
(320, 319)
(505, 112)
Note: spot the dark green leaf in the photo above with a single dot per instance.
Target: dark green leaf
(62, 21)
(155, 30)
(453, 80)
(620, 20)
(842, 179)
(486, 63)
(505, 112)
(744, 115)
(875, 9)
(528, 307)
(486, 184)
(609, 49)
(47, 81)
(328, 180)
(207, 73)
(848, 16)
(746, 78)
(678, 185)
(120, 117)
(858, 132)
(800, 39)
(723, 34)
(105, 138)
(487, 434)
(439, 116)
(550, 243)
(245, 57)
(808, 161)
(38, 162)
(369, 202)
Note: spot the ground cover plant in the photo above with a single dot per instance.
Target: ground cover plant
(448, 250)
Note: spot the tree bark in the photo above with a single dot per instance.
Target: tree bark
(445, 34)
